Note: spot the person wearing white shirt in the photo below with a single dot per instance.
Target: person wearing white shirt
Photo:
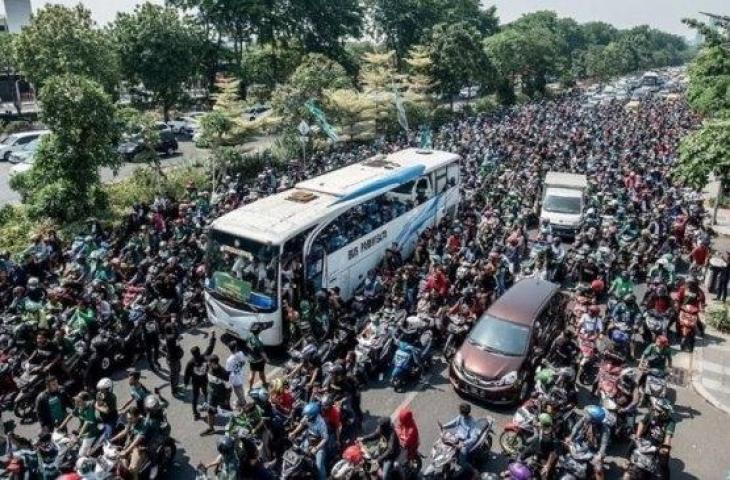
(235, 367)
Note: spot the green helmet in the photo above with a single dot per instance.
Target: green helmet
(545, 376)
(545, 420)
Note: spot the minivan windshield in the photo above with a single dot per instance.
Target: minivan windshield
(558, 204)
(500, 336)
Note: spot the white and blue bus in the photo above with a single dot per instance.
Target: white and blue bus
(326, 232)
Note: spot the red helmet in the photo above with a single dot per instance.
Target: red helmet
(594, 309)
(662, 341)
(597, 285)
(353, 454)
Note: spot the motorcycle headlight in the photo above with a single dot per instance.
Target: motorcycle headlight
(509, 379)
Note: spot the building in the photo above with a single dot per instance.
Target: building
(17, 14)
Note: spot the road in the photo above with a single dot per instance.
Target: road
(187, 153)
(700, 446)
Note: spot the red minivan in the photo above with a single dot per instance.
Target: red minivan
(496, 362)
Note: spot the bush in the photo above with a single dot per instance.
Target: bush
(485, 104)
(16, 228)
(717, 316)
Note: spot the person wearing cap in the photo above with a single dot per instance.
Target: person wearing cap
(543, 445)
(86, 414)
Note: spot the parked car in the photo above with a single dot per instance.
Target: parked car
(23, 154)
(133, 146)
(256, 111)
(183, 125)
(469, 92)
(17, 141)
(496, 362)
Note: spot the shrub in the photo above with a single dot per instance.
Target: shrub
(717, 316)
(16, 228)
(485, 104)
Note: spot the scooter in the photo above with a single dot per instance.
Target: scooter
(644, 461)
(297, 464)
(445, 451)
(30, 384)
(575, 465)
(517, 431)
(688, 320)
(457, 330)
(404, 365)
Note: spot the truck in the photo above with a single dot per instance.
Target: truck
(563, 202)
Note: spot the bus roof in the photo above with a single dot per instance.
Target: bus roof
(276, 218)
(339, 182)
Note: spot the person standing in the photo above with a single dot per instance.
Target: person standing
(234, 366)
(723, 277)
(257, 358)
(174, 357)
(52, 405)
(151, 336)
(196, 373)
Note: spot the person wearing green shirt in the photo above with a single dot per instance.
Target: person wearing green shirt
(622, 285)
(256, 356)
(86, 414)
(657, 355)
(136, 436)
(249, 417)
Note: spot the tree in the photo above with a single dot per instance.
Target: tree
(7, 59)
(709, 74)
(64, 181)
(311, 79)
(704, 152)
(420, 83)
(269, 65)
(143, 126)
(379, 80)
(354, 112)
(61, 40)
(154, 46)
(458, 59)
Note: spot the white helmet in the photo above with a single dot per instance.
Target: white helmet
(104, 384)
(151, 402)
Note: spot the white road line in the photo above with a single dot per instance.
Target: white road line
(412, 395)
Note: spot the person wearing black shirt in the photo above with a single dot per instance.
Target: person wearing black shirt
(52, 405)
(151, 336)
(386, 437)
(46, 355)
(196, 373)
(564, 350)
(218, 392)
(174, 356)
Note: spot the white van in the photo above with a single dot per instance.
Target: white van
(563, 202)
(17, 141)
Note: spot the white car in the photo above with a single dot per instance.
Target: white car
(183, 125)
(23, 154)
(17, 141)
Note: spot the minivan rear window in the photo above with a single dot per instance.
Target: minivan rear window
(500, 336)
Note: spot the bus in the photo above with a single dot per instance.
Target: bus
(325, 232)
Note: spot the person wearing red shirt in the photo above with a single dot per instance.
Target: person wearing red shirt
(332, 414)
(407, 432)
(281, 397)
(700, 255)
(438, 282)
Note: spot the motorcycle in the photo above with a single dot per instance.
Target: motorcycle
(457, 331)
(575, 465)
(405, 367)
(654, 326)
(644, 461)
(517, 431)
(688, 320)
(30, 384)
(297, 464)
(587, 366)
(655, 385)
(445, 463)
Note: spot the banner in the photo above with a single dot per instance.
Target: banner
(402, 119)
(319, 116)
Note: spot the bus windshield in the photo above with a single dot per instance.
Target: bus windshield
(243, 272)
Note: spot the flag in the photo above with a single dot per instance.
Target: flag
(321, 120)
(402, 119)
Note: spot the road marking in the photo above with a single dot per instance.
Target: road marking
(413, 394)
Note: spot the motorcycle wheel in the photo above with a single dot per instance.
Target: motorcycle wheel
(450, 348)
(106, 365)
(511, 442)
(24, 409)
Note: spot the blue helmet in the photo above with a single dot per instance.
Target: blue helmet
(619, 336)
(595, 413)
(311, 410)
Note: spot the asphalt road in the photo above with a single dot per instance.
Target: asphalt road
(187, 153)
(700, 446)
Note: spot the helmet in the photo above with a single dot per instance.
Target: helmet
(629, 298)
(151, 402)
(104, 384)
(326, 401)
(353, 454)
(619, 336)
(33, 282)
(85, 465)
(277, 386)
(545, 376)
(594, 309)
(545, 420)
(595, 413)
(519, 471)
(662, 341)
(311, 410)
(224, 445)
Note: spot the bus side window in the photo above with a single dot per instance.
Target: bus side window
(441, 180)
(453, 174)
(423, 190)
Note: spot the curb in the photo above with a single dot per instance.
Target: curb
(697, 382)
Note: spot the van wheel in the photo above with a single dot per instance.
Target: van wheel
(524, 388)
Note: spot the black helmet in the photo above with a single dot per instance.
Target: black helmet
(225, 445)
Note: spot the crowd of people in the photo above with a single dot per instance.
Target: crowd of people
(74, 313)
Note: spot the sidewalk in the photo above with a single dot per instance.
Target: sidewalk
(711, 377)
(722, 227)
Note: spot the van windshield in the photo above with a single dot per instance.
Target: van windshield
(560, 204)
(500, 336)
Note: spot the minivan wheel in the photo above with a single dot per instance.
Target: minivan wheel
(524, 389)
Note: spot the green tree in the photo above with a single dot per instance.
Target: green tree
(419, 81)
(354, 112)
(709, 74)
(269, 65)
(458, 59)
(379, 80)
(311, 79)
(61, 40)
(64, 181)
(155, 46)
(704, 152)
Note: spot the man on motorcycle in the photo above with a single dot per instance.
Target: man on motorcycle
(593, 430)
(407, 432)
(657, 355)
(389, 446)
(226, 463)
(248, 417)
(106, 406)
(591, 323)
(658, 426)
(136, 435)
(467, 431)
(317, 436)
(564, 349)
(543, 445)
(86, 414)
(621, 285)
